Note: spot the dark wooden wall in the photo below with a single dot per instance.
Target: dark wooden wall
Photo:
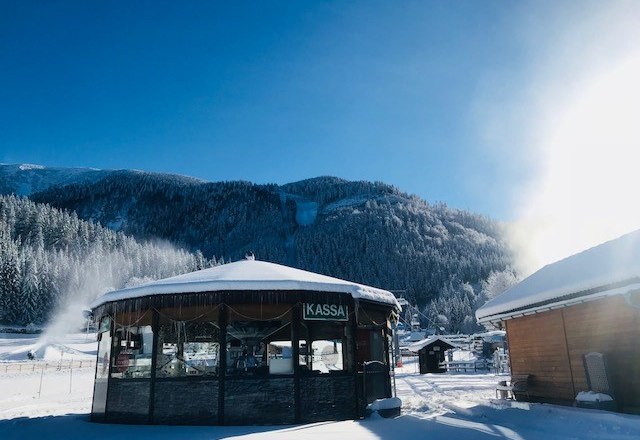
(259, 401)
(325, 397)
(550, 346)
(186, 401)
(128, 401)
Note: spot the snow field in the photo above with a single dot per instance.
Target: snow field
(435, 406)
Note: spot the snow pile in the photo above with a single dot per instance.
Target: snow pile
(616, 261)
(592, 396)
(250, 275)
(463, 356)
(380, 404)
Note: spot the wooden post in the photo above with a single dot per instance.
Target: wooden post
(353, 321)
(385, 335)
(40, 388)
(566, 346)
(112, 332)
(155, 328)
(222, 322)
(295, 353)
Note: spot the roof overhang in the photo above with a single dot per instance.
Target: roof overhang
(630, 288)
(250, 276)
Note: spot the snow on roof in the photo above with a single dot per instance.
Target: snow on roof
(250, 275)
(611, 268)
(417, 346)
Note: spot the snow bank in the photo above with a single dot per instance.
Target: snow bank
(250, 275)
(390, 403)
(592, 396)
(612, 268)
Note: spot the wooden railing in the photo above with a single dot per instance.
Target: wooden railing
(467, 366)
(33, 366)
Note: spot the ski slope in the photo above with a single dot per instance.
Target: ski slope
(456, 406)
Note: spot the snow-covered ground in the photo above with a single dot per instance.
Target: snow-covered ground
(14, 347)
(456, 406)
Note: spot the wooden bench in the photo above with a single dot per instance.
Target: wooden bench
(518, 385)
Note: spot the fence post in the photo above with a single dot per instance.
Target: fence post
(40, 388)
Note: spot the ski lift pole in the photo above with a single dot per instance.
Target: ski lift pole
(70, 377)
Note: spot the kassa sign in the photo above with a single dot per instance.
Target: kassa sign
(325, 312)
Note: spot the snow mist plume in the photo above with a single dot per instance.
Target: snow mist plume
(582, 130)
(103, 271)
(91, 283)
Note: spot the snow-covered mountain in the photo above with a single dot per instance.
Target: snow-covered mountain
(368, 232)
(26, 179)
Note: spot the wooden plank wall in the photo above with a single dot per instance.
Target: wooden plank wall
(550, 346)
(609, 326)
(537, 346)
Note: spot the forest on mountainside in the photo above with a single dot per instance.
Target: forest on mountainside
(438, 257)
(48, 257)
(445, 261)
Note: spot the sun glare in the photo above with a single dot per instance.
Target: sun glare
(588, 191)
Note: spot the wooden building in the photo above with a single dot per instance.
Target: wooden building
(589, 302)
(249, 342)
(431, 354)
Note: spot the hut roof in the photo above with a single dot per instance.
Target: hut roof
(250, 275)
(611, 268)
(417, 346)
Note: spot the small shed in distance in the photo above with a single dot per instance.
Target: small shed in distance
(431, 353)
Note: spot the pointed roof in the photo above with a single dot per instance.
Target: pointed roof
(250, 275)
(611, 268)
(417, 346)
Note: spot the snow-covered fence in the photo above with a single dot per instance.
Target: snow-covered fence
(467, 366)
(33, 366)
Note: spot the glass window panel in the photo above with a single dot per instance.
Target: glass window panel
(323, 347)
(104, 349)
(259, 347)
(132, 351)
(327, 355)
(188, 349)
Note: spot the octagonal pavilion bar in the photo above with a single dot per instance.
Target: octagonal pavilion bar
(249, 342)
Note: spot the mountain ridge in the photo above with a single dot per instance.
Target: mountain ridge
(368, 232)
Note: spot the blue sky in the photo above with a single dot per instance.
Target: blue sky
(400, 92)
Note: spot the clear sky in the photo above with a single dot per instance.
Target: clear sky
(261, 91)
(435, 97)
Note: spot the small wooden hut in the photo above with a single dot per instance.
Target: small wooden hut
(249, 342)
(589, 302)
(431, 352)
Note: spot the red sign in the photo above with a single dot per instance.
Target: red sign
(122, 362)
